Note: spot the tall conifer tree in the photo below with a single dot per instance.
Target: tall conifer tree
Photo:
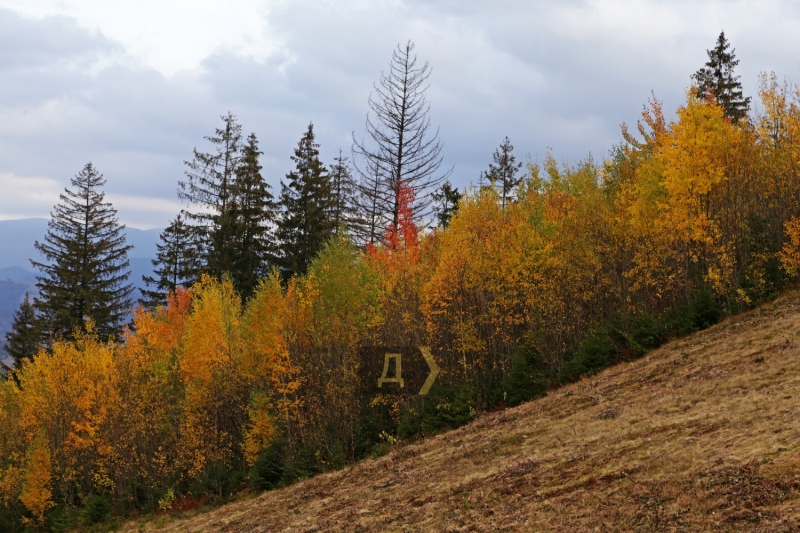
(176, 263)
(718, 79)
(210, 186)
(306, 204)
(254, 213)
(85, 268)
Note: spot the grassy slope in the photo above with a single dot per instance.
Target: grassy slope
(700, 435)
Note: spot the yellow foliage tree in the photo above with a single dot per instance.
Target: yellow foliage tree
(36, 494)
(214, 406)
(790, 254)
(12, 450)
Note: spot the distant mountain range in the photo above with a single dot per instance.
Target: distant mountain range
(17, 276)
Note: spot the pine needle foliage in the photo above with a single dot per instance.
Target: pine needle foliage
(504, 173)
(23, 340)
(306, 204)
(176, 263)
(447, 198)
(85, 267)
(210, 186)
(254, 213)
(717, 79)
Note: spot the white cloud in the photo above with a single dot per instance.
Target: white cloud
(168, 35)
(137, 210)
(26, 196)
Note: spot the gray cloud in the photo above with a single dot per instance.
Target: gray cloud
(547, 74)
(30, 44)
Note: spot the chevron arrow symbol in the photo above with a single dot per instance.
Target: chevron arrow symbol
(426, 353)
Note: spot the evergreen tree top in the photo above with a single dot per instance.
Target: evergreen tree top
(307, 204)
(176, 263)
(211, 175)
(503, 173)
(717, 80)
(86, 268)
(253, 217)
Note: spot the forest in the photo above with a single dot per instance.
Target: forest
(253, 361)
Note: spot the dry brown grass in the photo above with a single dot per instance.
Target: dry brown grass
(701, 435)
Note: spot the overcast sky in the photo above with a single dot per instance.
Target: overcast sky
(134, 85)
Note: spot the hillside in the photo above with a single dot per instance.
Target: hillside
(700, 435)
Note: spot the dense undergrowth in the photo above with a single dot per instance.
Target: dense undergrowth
(590, 265)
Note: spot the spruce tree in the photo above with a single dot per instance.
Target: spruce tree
(306, 204)
(503, 174)
(342, 191)
(23, 340)
(210, 185)
(447, 198)
(717, 78)
(85, 267)
(254, 214)
(176, 263)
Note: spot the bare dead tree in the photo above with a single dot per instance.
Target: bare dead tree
(402, 147)
(370, 201)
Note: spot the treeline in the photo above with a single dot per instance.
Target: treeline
(233, 225)
(531, 279)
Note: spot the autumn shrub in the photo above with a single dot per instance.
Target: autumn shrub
(790, 253)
